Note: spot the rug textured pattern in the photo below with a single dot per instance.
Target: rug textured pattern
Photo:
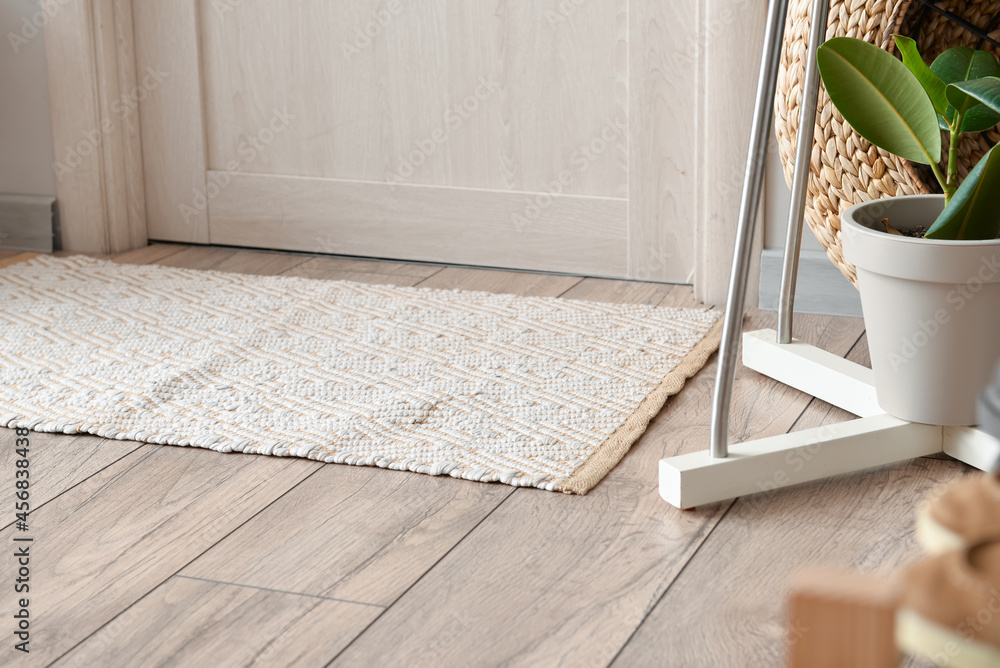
(525, 391)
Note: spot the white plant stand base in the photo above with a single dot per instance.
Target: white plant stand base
(875, 439)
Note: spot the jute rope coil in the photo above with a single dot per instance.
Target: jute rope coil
(844, 168)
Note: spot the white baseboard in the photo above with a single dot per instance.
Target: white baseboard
(26, 223)
(821, 288)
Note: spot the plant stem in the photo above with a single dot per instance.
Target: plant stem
(953, 162)
(948, 191)
(951, 184)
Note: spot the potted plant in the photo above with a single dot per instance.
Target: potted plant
(928, 266)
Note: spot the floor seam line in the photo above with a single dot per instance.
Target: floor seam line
(278, 591)
(422, 576)
(673, 581)
(79, 482)
(562, 294)
(182, 567)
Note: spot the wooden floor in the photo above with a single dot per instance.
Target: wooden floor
(148, 555)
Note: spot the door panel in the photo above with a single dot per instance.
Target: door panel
(496, 133)
(457, 225)
(171, 120)
(456, 93)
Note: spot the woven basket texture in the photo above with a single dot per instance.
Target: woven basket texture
(845, 169)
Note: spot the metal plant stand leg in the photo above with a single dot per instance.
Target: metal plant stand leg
(753, 184)
(800, 178)
(875, 439)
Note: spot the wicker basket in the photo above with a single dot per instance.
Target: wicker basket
(846, 169)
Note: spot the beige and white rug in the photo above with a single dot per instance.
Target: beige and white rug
(526, 391)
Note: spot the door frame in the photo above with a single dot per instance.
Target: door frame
(95, 126)
(685, 164)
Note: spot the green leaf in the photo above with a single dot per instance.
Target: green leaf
(931, 82)
(880, 98)
(973, 212)
(985, 91)
(980, 119)
(964, 64)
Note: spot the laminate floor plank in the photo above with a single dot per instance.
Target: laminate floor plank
(330, 267)
(681, 296)
(67, 253)
(56, 462)
(563, 580)
(727, 608)
(109, 541)
(359, 534)
(198, 257)
(496, 280)
(621, 292)
(236, 261)
(222, 625)
(151, 254)
(15, 257)
(376, 273)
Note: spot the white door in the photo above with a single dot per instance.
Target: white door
(540, 134)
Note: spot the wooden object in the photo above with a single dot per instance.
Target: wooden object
(606, 138)
(664, 147)
(840, 619)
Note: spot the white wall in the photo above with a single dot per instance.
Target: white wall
(25, 131)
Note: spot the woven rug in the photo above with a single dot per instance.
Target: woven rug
(527, 391)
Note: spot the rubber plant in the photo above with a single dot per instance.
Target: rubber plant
(902, 107)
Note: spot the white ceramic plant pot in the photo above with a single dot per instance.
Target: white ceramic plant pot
(932, 310)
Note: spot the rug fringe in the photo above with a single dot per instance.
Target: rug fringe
(614, 449)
